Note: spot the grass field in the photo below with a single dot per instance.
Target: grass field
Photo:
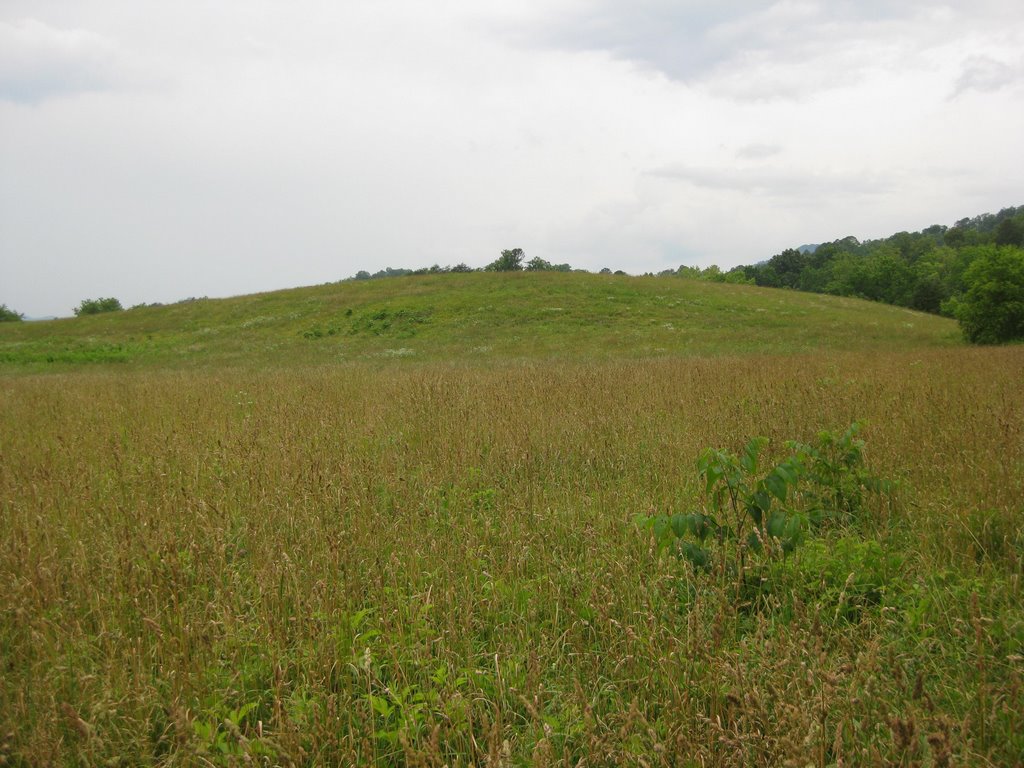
(219, 556)
(471, 317)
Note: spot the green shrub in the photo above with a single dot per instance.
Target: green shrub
(751, 518)
(510, 261)
(992, 308)
(96, 306)
(8, 315)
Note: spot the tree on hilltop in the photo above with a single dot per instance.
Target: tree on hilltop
(8, 315)
(509, 261)
(96, 306)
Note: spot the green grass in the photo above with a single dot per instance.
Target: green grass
(473, 317)
(250, 553)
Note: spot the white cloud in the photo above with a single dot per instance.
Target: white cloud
(293, 144)
(39, 61)
(986, 75)
(782, 182)
(758, 151)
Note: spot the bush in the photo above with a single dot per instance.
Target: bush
(509, 261)
(992, 308)
(96, 306)
(8, 315)
(752, 516)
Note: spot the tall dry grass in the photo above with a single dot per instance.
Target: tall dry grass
(438, 565)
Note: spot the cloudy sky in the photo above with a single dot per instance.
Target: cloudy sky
(154, 151)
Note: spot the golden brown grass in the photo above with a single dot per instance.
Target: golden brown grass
(437, 565)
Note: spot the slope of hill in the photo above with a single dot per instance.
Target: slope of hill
(474, 317)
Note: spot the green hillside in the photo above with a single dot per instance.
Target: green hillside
(474, 317)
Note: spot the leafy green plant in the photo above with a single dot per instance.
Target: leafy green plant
(223, 738)
(399, 711)
(749, 512)
(743, 512)
(836, 480)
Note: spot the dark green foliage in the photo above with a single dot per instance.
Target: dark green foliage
(1010, 232)
(920, 270)
(712, 274)
(401, 323)
(843, 577)
(97, 306)
(8, 315)
(319, 333)
(397, 323)
(750, 513)
(837, 481)
(992, 308)
(509, 261)
(928, 294)
(75, 352)
(537, 264)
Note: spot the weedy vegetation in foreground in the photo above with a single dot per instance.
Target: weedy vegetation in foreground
(433, 563)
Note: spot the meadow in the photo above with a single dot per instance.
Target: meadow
(477, 318)
(296, 550)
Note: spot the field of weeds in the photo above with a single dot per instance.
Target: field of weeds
(438, 564)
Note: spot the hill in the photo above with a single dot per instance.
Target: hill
(474, 316)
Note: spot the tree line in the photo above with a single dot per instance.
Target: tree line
(973, 271)
(510, 260)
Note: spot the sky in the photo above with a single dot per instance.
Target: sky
(156, 151)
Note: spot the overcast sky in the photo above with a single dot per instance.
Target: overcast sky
(154, 151)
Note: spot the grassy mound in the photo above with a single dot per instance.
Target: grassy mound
(472, 316)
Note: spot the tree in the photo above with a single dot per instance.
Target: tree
(537, 264)
(96, 306)
(509, 261)
(992, 308)
(8, 315)
(928, 294)
(787, 266)
(1010, 232)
